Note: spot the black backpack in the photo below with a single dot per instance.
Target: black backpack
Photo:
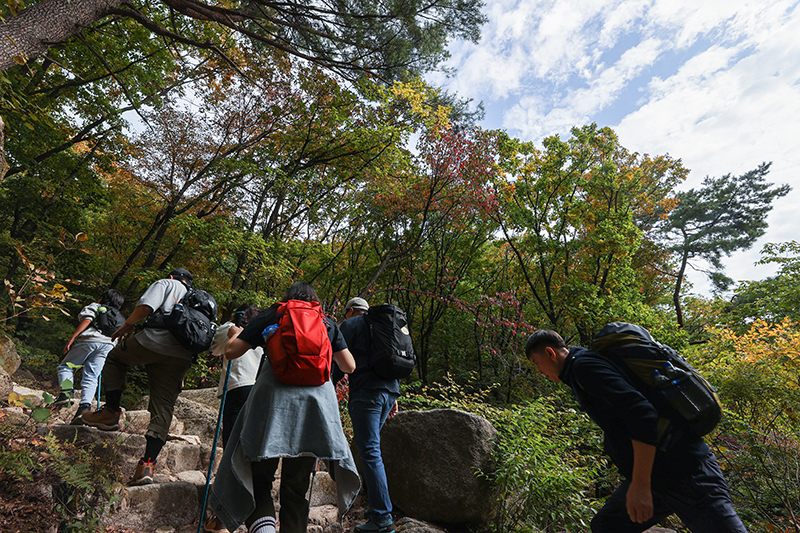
(680, 394)
(192, 321)
(391, 351)
(107, 320)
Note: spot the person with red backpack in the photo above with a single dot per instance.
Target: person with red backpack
(291, 415)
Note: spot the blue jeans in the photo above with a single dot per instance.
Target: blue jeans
(701, 501)
(368, 411)
(92, 355)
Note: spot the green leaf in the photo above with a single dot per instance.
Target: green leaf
(40, 414)
(48, 398)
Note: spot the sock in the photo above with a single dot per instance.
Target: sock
(152, 449)
(113, 399)
(265, 524)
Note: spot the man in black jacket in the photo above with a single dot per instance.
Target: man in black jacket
(371, 400)
(684, 479)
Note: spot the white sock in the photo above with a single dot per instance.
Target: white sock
(265, 524)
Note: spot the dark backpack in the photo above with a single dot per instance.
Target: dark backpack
(680, 394)
(192, 321)
(391, 353)
(107, 320)
(300, 350)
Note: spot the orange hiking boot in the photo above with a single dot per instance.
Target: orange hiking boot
(104, 419)
(143, 474)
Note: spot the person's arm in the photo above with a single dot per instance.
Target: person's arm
(236, 347)
(639, 498)
(139, 313)
(345, 360)
(80, 329)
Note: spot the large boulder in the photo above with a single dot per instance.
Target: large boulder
(431, 460)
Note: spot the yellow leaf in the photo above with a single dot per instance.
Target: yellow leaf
(60, 288)
(45, 318)
(81, 237)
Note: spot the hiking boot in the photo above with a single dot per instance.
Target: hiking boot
(64, 397)
(104, 419)
(375, 527)
(143, 474)
(215, 525)
(82, 408)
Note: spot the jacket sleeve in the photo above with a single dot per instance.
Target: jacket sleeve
(618, 404)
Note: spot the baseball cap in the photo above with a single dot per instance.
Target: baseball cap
(356, 303)
(182, 274)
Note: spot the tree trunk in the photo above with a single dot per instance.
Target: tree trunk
(676, 296)
(38, 27)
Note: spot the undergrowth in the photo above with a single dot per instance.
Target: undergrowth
(45, 481)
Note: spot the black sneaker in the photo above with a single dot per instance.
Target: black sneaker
(375, 527)
(64, 398)
(82, 408)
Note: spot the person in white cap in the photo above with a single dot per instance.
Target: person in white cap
(372, 397)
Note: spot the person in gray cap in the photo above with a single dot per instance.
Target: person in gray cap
(163, 358)
(371, 399)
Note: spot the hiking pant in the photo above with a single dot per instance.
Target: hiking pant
(369, 410)
(295, 478)
(701, 501)
(234, 401)
(90, 355)
(164, 379)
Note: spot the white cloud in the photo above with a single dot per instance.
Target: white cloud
(717, 84)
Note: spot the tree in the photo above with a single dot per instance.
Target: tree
(724, 215)
(353, 38)
(774, 298)
(569, 216)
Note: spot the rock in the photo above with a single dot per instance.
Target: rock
(195, 477)
(410, 525)
(9, 358)
(197, 418)
(120, 449)
(431, 458)
(179, 456)
(322, 515)
(6, 386)
(149, 507)
(323, 491)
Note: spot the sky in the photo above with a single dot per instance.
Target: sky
(715, 83)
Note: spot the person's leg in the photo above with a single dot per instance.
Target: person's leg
(613, 517)
(295, 478)
(234, 401)
(165, 381)
(368, 412)
(96, 355)
(263, 476)
(704, 503)
(76, 356)
(127, 353)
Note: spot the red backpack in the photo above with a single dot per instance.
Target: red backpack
(300, 351)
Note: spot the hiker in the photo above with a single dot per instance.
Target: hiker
(297, 424)
(684, 479)
(242, 377)
(87, 347)
(165, 361)
(243, 369)
(372, 398)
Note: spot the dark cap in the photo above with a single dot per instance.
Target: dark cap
(182, 274)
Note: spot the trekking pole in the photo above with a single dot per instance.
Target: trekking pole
(214, 447)
(313, 475)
